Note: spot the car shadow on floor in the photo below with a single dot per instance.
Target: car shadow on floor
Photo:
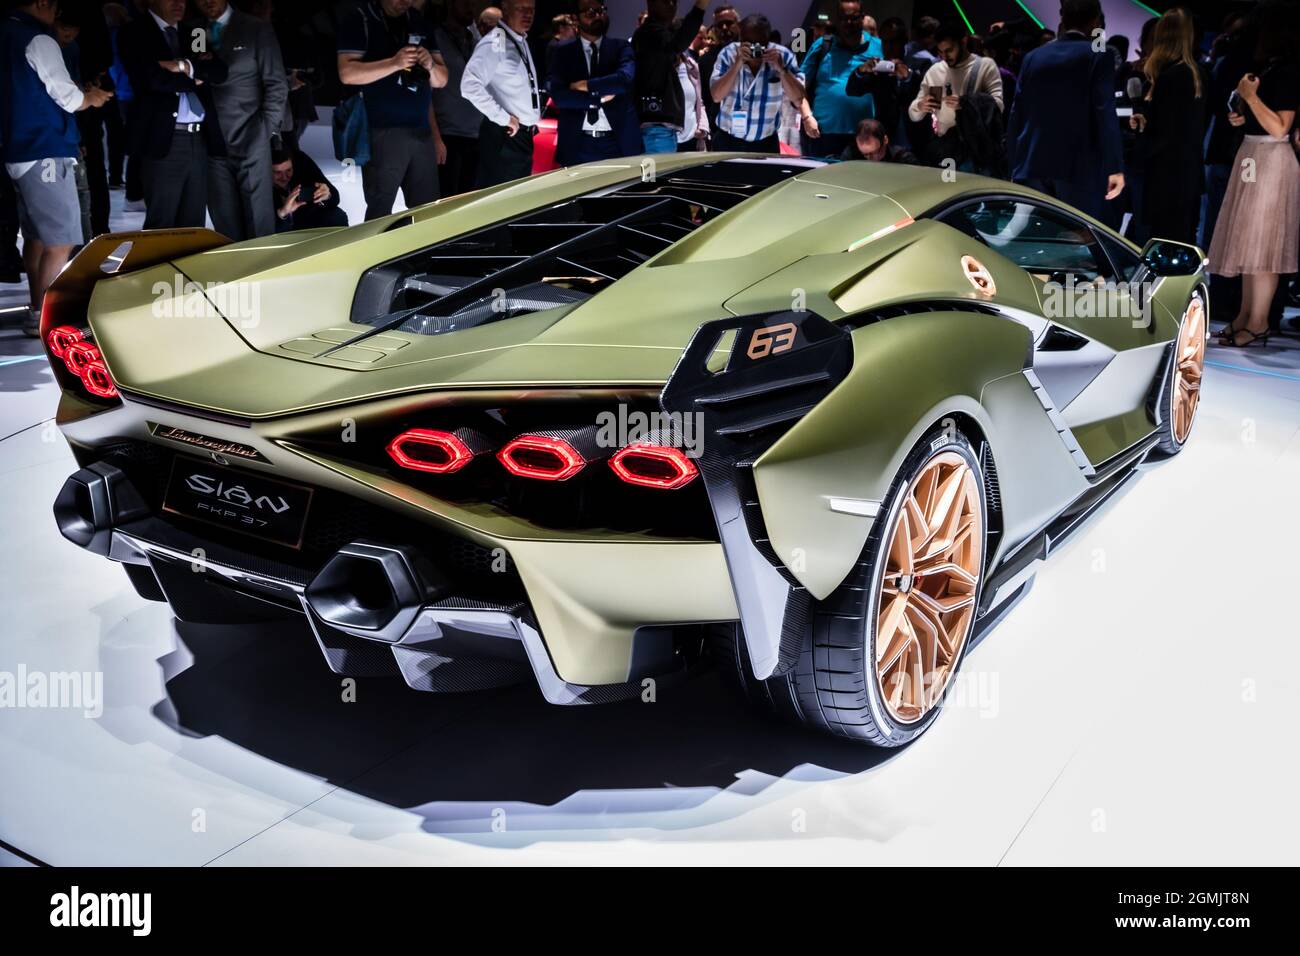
(267, 689)
(23, 366)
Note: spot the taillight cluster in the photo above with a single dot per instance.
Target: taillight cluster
(82, 358)
(437, 452)
(541, 456)
(654, 466)
(546, 457)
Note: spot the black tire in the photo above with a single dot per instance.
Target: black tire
(833, 687)
(1169, 445)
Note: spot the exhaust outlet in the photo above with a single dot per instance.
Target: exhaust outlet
(374, 590)
(92, 502)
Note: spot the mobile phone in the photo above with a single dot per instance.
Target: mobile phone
(935, 93)
(1234, 102)
(412, 75)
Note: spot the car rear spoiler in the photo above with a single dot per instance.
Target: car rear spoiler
(779, 366)
(113, 254)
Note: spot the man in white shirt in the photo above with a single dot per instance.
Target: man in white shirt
(501, 82)
(38, 141)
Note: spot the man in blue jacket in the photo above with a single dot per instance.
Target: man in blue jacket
(830, 114)
(591, 83)
(1063, 136)
(39, 142)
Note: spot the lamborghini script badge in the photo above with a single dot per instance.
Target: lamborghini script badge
(218, 448)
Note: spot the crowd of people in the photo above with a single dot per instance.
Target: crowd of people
(197, 110)
(188, 108)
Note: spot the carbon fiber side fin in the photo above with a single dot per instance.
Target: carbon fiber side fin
(780, 365)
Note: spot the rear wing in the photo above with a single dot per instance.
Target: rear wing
(113, 254)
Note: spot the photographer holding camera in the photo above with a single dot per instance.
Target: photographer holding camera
(660, 102)
(386, 48)
(749, 82)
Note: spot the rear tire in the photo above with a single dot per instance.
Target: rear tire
(835, 685)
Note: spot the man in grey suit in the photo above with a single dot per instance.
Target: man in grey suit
(250, 106)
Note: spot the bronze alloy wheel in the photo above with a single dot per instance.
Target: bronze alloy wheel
(1189, 363)
(928, 587)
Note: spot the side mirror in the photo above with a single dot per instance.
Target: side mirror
(1164, 257)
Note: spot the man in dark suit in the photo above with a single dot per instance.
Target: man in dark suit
(173, 125)
(250, 105)
(1063, 137)
(591, 83)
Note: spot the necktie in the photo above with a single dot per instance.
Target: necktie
(593, 111)
(191, 100)
(214, 33)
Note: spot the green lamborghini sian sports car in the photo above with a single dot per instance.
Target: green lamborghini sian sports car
(823, 420)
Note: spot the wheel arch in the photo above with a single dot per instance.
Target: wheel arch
(821, 484)
(973, 428)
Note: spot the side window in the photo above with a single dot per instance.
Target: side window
(1039, 240)
(1125, 260)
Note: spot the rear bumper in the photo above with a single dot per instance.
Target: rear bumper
(375, 607)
